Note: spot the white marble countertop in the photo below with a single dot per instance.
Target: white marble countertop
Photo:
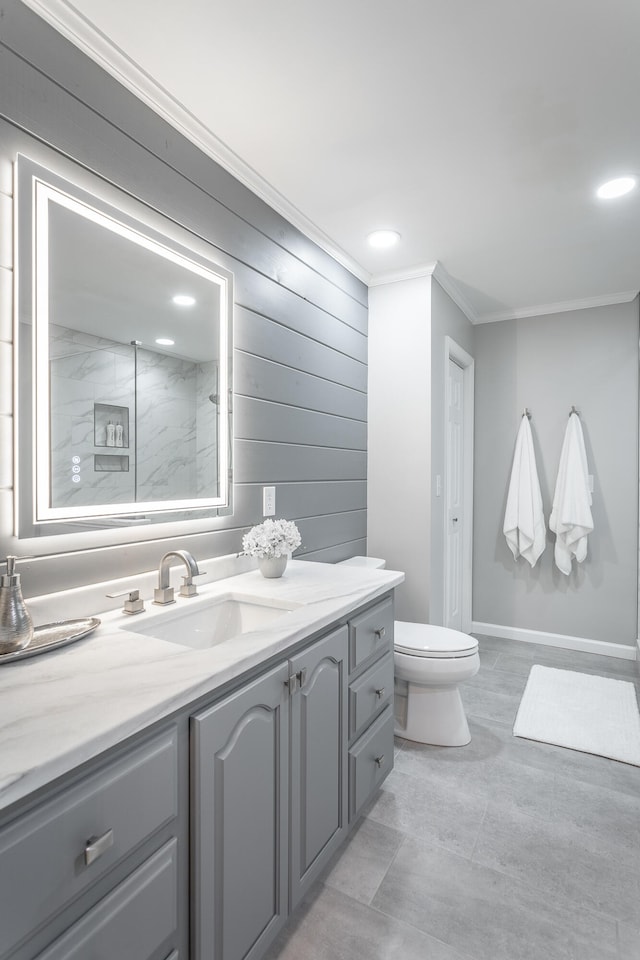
(62, 708)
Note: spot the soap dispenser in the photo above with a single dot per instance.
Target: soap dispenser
(16, 626)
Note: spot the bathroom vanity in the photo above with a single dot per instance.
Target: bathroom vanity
(163, 802)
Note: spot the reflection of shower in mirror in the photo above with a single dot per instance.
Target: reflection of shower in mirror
(107, 274)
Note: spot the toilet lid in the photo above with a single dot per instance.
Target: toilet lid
(427, 640)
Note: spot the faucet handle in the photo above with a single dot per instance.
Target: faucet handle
(133, 603)
(188, 588)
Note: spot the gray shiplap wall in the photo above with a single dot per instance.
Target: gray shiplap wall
(300, 359)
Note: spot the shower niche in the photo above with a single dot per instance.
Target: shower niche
(106, 416)
(126, 324)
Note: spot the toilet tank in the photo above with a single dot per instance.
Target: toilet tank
(374, 563)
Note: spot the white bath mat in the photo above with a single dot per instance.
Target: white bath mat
(582, 712)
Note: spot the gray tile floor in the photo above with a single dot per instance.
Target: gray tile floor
(505, 849)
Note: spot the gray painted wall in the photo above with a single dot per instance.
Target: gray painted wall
(588, 358)
(300, 359)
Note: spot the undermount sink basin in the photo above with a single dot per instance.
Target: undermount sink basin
(210, 622)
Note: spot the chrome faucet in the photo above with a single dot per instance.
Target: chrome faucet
(163, 592)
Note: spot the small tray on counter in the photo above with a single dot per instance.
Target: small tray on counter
(49, 636)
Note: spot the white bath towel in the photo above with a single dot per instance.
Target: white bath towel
(523, 519)
(571, 518)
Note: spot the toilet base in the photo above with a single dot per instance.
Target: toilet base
(435, 715)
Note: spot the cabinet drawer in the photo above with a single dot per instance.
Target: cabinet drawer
(133, 921)
(369, 693)
(50, 856)
(370, 634)
(370, 760)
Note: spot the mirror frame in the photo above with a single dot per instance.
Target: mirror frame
(35, 187)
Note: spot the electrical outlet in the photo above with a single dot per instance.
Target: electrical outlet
(268, 501)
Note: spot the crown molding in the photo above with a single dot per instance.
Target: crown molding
(437, 272)
(397, 276)
(450, 287)
(563, 306)
(67, 21)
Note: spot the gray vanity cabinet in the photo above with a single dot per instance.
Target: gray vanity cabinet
(319, 794)
(94, 870)
(270, 798)
(262, 785)
(371, 720)
(240, 806)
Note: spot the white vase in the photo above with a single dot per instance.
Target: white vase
(272, 566)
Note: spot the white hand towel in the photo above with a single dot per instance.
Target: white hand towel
(523, 519)
(571, 518)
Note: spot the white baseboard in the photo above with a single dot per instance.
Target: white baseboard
(620, 650)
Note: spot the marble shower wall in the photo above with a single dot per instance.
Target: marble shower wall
(166, 422)
(93, 380)
(207, 429)
(85, 371)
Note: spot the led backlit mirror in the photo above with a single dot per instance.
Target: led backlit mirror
(127, 334)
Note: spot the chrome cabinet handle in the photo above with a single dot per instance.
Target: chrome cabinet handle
(296, 681)
(380, 632)
(380, 693)
(96, 846)
(380, 760)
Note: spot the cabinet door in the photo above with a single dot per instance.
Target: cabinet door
(318, 758)
(240, 820)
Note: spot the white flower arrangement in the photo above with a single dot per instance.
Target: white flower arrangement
(273, 538)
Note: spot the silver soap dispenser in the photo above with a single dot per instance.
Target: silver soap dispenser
(16, 626)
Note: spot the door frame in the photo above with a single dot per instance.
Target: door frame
(453, 351)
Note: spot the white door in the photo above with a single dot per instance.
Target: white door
(454, 506)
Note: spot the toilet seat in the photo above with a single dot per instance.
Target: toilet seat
(431, 641)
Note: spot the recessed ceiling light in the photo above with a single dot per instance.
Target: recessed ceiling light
(183, 300)
(383, 238)
(165, 342)
(616, 188)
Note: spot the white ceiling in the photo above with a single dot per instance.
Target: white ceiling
(478, 130)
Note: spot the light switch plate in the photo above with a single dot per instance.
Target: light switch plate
(268, 501)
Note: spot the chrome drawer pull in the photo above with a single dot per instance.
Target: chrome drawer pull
(380, 759)
(96, 846)
(380, 693)
(380, 633)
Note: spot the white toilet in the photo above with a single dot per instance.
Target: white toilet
(430, 662)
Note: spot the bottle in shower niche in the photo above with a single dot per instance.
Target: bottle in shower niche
(119, 435)
(111, 434)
